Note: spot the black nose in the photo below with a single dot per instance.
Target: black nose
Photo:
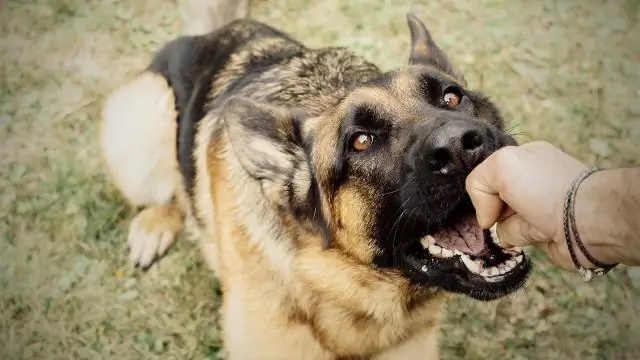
(455, 146)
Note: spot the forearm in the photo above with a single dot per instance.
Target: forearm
(607, 211)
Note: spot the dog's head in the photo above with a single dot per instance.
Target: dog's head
(381, 177)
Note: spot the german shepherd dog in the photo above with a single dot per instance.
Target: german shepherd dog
(327, 196)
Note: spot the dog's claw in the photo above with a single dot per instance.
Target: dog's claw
(150, 235)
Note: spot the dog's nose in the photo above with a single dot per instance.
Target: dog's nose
(455, 146)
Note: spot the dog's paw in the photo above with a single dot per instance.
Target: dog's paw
(151, 233)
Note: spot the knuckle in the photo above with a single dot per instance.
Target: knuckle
(505, 154)
(541, 144)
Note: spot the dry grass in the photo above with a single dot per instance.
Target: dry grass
(563, 71)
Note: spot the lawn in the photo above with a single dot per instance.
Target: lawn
(563, 71)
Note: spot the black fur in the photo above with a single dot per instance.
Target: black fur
(190, 63)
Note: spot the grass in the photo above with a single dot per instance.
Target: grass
(566, 72)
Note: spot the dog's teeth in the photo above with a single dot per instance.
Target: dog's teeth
(427, 240)
(457, 252)
(494, 234)
(470, 264)
(447, 253)
(425, 268)
(485, 273)
(435, 249)
(494, 271)
(479, 264)
(511, 264)
(502, 269)
(519, 259)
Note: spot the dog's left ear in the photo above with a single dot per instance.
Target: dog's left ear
(267, 142)
(424, 50)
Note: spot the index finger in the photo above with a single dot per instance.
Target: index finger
(483, 187)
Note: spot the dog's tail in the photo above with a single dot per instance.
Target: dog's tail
(201, 17)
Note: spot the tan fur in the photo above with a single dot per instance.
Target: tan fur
(138, 121)
(283, 295)
(152, 231)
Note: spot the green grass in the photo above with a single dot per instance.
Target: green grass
(566, 72)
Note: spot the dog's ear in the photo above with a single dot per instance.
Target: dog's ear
(424, 50)
(267, 142)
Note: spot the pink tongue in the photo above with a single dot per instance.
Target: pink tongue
(465, 236)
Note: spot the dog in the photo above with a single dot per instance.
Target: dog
(326, 195)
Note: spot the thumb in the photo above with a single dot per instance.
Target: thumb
(516, 231)
(484, 196)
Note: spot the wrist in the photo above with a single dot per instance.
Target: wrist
(596, 220)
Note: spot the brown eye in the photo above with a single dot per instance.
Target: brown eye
(451, 99)
(361, 141)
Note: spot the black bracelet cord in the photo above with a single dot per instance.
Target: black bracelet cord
(569, 222)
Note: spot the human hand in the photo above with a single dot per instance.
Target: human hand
(523, 189)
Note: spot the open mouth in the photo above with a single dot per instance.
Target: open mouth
(461, 257)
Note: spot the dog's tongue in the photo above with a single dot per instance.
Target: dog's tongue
(465, 235)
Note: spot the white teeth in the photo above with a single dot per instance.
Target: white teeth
(427, 240)
(491, 274)
(479, 263)
(494, 235)
(447, 253)
(473, 266)
(495, 278)
(435, 249)
(503, 269)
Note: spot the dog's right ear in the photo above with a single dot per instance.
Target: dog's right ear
(266, 140)
(425, 50)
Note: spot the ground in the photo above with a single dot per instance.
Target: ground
(566, 72)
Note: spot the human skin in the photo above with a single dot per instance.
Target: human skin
(523, 188)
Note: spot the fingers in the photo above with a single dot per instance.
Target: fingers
(482, 188)
(559, 257)
(516, 231)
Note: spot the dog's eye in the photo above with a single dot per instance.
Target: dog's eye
(361, 141)
(451, 98)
